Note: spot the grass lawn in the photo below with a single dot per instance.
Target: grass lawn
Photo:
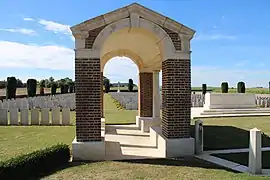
(165, 169)
(219, 133)
(242, 158)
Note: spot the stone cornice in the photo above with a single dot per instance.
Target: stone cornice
(125, 12)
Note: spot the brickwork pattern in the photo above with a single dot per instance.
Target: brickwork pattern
(175, 39)
(146, 94)
(102, 95)
(88, 105)
(89, 41)
(176, 98)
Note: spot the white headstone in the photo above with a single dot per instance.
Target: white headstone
(3, 116)
(14, 120)
(65, 116)
(34, 116)
(56, 116)
(255, 152)
(45, 118)
(24, 117)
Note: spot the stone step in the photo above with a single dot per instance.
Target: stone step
(140, 152)
(239, 110)
(231, 115)
(235, 112)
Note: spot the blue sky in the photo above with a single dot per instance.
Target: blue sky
(232, 41)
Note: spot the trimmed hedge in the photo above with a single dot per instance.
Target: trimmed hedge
(53, 89)
(31, 87)
(241, 88)
(35, 164)
(224, 87)
(130, 85)
(204, 88)
(11, 88)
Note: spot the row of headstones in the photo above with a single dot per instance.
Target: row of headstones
(37, 117)
(40, 102)
(130, 100)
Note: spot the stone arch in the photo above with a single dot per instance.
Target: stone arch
(122, 52)
(162, 39)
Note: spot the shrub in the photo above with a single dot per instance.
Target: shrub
(62, 88)
(224, 87)
(204, 88)
(241, 87)
(41, 86)
(11, 88)
(53, 88)
(107, 85)
(130, 85)
(31, 87)
(66, 88)
(35, 164)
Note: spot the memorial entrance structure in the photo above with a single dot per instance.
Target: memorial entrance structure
(154, 42)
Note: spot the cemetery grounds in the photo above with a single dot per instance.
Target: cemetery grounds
(219, 133)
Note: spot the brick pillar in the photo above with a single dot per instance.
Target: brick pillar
(88, 105)
(146, 94)
(176, 98)
(102, 95)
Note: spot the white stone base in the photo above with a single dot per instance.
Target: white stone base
(172, 147)
(94, 151)
(144, 123)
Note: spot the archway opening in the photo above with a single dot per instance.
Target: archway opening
(120, 103)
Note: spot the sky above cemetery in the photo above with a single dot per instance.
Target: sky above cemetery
(232, 40)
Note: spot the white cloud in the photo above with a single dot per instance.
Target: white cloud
(15, 54)
(28, 19)
(214, 37)
(56, 27)
(30, 32)
(121, 69)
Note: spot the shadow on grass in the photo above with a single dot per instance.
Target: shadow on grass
(243, 158)
(227, 137)
(184, 162)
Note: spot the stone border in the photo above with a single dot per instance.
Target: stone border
(207, 156)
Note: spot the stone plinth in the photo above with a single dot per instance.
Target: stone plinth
(229, 101)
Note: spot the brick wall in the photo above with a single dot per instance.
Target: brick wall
(146, 94)
(176, 98)
(89, 41)
(102, 95)
(175, 39)
(88, 101)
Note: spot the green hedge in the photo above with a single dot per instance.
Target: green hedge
(11, 88)
(204, 88)
(53, 88)
(224, 87)
(31, 87)
(241, 88)
(35, 164)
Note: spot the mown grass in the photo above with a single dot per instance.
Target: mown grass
(219, 133)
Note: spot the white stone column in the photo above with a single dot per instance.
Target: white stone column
(255, 151)
(156, 95)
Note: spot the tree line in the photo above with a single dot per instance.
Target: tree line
(66, 85)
